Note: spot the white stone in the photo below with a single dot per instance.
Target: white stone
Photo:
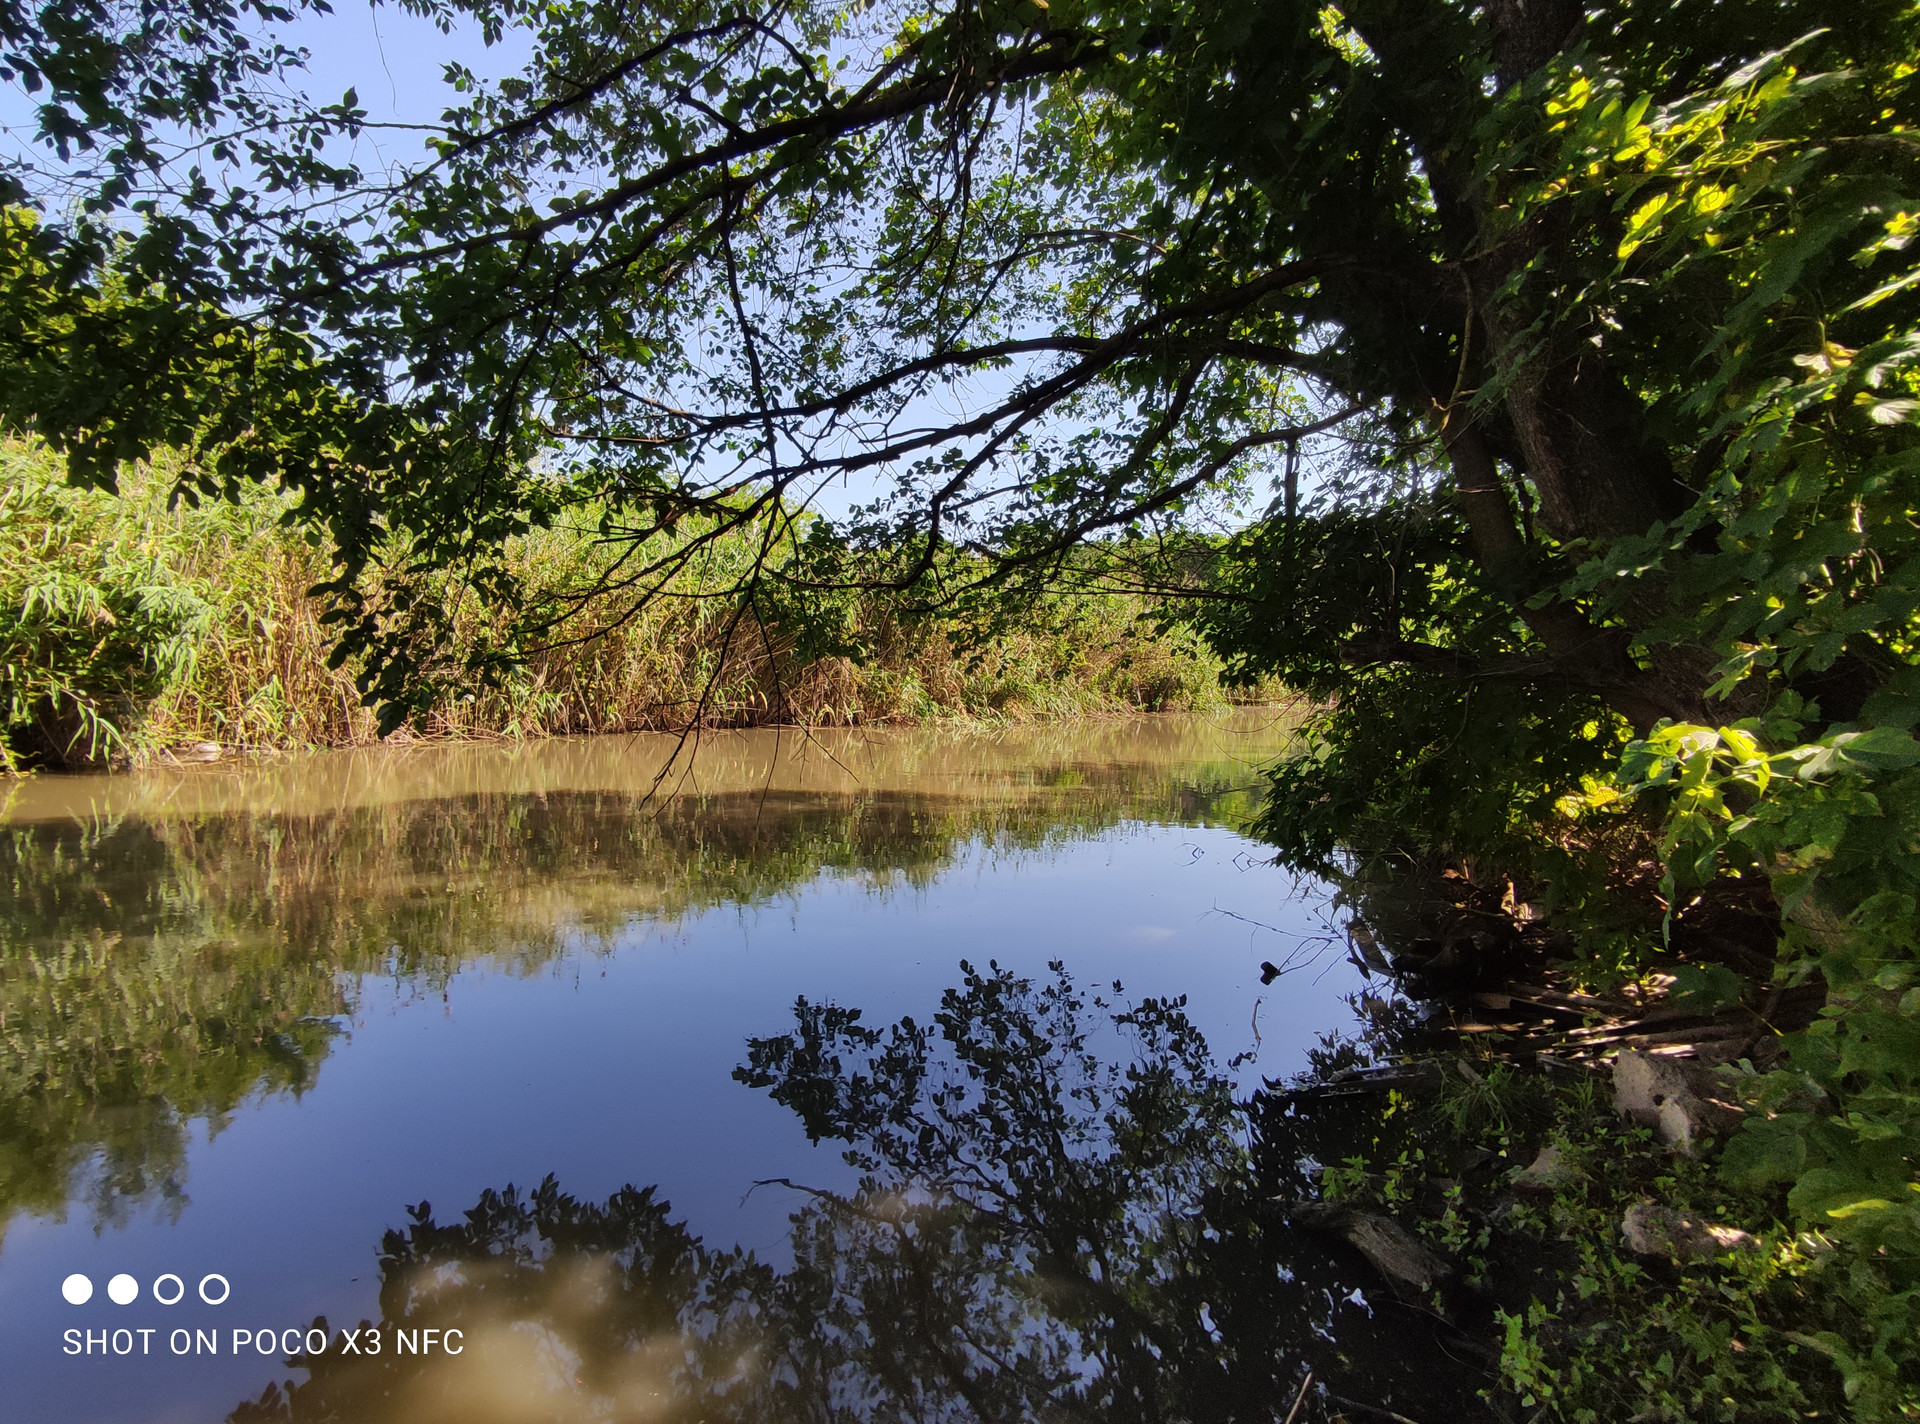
(1653, 1230)
(1682, 1102)
(1548, 1172)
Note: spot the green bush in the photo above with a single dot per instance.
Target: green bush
(131, 624)
(95, 618)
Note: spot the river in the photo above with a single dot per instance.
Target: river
(258, 1016)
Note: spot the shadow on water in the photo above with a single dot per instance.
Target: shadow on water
(1062, 1214)
(176, 945)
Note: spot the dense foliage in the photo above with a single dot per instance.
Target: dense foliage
(1782, 1325)
(131, 631)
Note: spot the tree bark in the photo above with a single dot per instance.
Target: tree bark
(1583, 653)
(1528, 33)
(1580, 432)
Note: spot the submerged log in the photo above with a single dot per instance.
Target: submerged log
(1395, 1252)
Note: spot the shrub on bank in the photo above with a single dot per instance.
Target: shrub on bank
(1581, 1321)
(128, 626)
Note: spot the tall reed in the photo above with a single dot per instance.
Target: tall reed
(130, 629)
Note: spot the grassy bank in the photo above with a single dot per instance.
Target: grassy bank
(128, 629)
(1586, 1271)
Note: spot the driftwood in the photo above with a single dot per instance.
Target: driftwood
(1409, 1266)
(1411, 1078)
(1372, 1410)
(1491, 964)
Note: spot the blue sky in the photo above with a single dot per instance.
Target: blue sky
(392, 59)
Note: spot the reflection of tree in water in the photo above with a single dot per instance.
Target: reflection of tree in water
(124, 1015)
(1062, 1214)
(158, 971)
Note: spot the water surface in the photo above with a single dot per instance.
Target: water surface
(249, 1017)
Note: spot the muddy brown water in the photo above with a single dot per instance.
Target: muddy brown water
(250, 1015)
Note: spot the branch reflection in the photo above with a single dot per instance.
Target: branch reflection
(1062, 1214)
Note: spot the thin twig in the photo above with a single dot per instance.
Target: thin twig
(1373, 1409)
(1300, 1398)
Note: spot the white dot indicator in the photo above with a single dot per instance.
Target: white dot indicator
(77, 1289)
(123, 1289)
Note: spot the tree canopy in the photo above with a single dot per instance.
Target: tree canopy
(1593, 335)
(1580, 345)
(1525, 283)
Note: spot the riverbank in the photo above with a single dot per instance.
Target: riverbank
(1556, 1146)
(131, 631)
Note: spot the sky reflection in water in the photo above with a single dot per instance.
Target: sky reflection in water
(250, 1017)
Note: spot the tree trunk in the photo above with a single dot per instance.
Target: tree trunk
(1528, 33)
(1580, 653)
(1581, 434)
